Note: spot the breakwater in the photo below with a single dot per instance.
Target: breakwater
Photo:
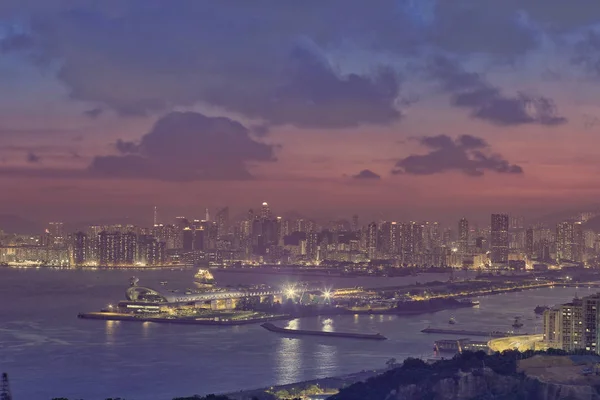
(461, 332)
(106, 316)
(348, 335)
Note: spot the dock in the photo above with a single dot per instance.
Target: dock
(466, 333)
(369, 336)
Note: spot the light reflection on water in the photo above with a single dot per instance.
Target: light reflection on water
(101, 359)
(289, 361)
(110, 331)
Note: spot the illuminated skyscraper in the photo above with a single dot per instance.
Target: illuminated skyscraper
(355, 223)
(565, 238)
(372, 241)
(499, 239)
(463, 236)
(80, 248)
(529, 242)
(199, 239)
(312, 245)
(579, 242)
(570, 244)
(56, 236)
(222, 219)
(265, 211)
(188, 239)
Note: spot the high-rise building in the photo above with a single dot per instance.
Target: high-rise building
(107, 248)
(222, 219)
(516, 222)
(463, 236)
(199, 239)
(529, 242)
(116, 248)
(499, 239)
(312, 245)
(355, 223)
(265, 211)
(570, 243)
(591, 319)
(578, 242)
(188, 239)
(564, 241)
(566, 326)
(56, 235)
(372, 241)
(128, 248)
(80, 248)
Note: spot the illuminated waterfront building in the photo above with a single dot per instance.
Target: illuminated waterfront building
(56, 235)
(80, 248)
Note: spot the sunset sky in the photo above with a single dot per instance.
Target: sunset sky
(394, 109)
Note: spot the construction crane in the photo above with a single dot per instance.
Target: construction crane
(5, 388)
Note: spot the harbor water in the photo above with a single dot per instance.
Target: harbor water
(48, 352)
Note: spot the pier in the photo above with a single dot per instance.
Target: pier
(370, 336)
(461, 332)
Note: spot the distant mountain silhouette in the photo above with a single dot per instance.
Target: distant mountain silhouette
(14, 224)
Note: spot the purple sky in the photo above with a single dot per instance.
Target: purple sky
(404, 109)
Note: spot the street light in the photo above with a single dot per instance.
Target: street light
(290, 292)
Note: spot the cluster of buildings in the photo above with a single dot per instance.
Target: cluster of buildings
(261, 237)
(574, 326)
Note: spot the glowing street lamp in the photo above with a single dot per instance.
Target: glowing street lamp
(290, 292)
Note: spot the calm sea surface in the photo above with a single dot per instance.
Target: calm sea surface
(49, 352)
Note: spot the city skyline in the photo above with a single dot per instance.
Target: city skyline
(409, 113)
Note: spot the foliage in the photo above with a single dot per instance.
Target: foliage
(416, 371)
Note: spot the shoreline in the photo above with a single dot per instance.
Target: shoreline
(102, 268)
(325, 383)
(113, 316)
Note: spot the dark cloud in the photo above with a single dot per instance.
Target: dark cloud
(186, 146)
(468, 154)
(469, 90)
(367, 174)
(587, 53)
(94, 112)
(33, 158)
(126, 147)
(16, 42)
(260, 130)
(481, 26)
(264, 60)
(312, 94)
